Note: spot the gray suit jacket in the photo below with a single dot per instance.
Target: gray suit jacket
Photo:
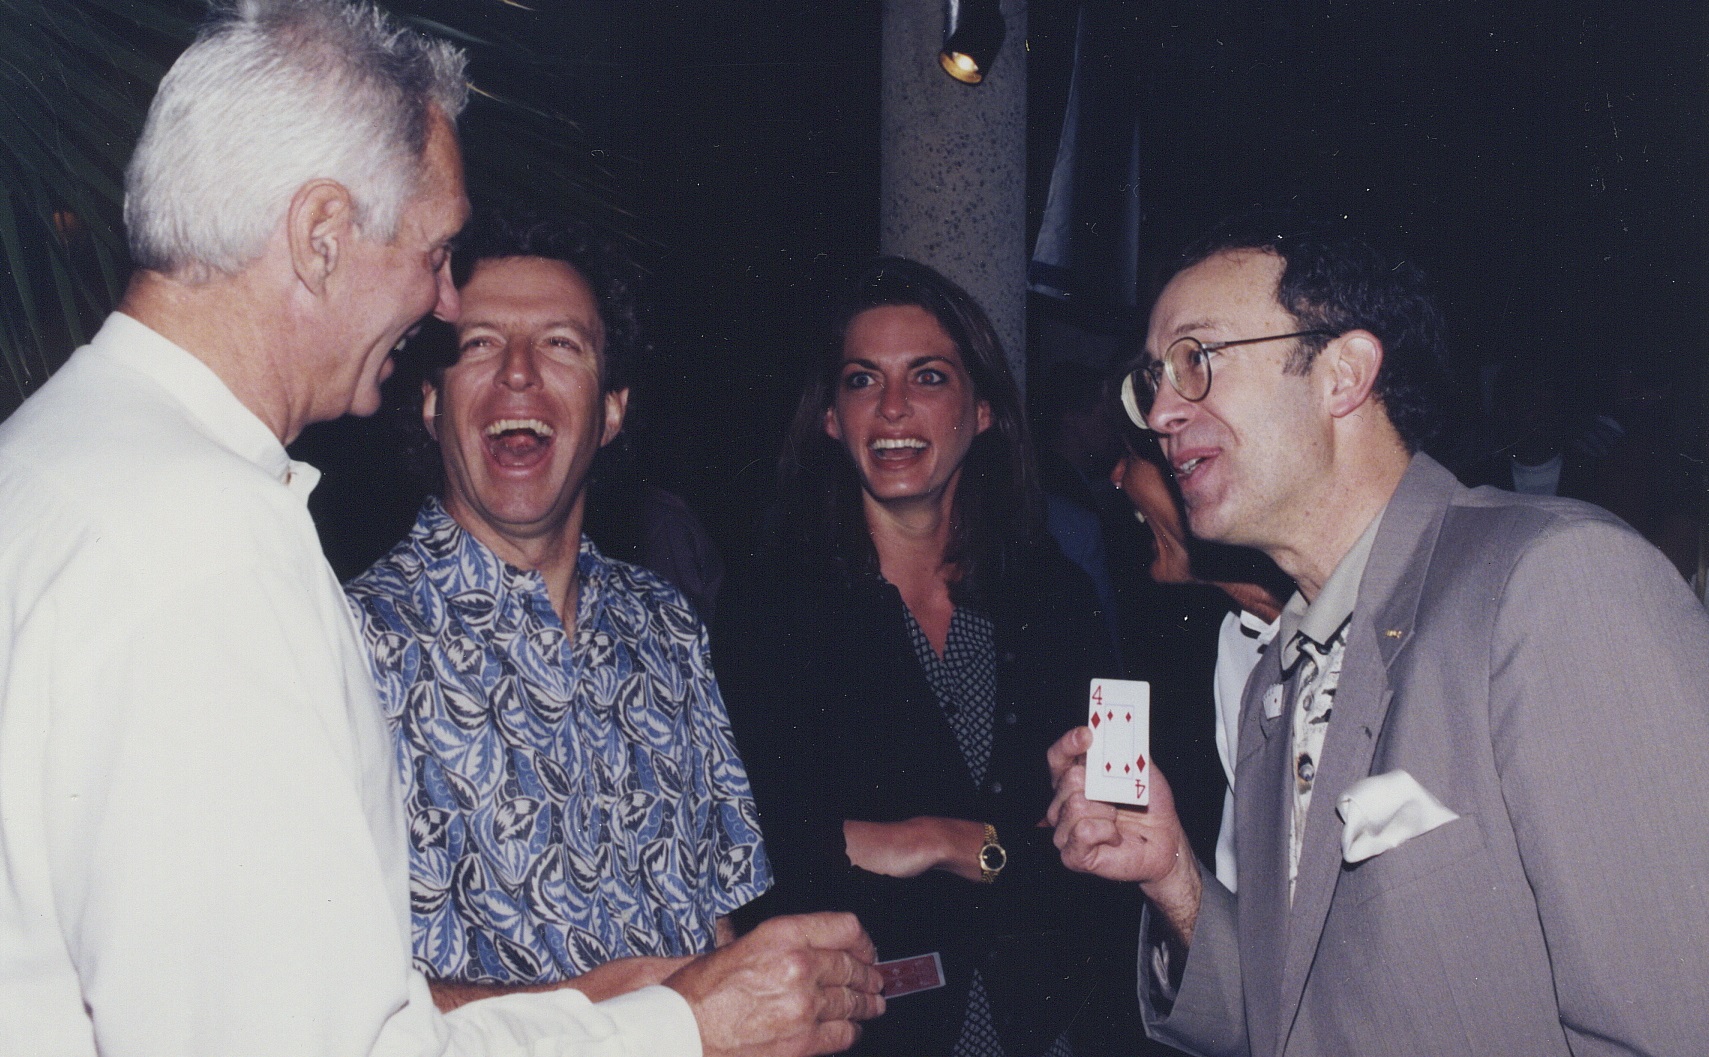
(1544, 673)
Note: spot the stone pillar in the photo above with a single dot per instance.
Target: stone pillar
(953, 175)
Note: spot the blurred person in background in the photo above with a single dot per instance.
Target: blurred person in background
(1631, 457)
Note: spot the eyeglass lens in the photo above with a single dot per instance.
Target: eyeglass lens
(1189, 368)
(1184, 364)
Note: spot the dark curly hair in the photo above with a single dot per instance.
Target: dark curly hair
(1335, 279)
(493, 235)
(998, 506)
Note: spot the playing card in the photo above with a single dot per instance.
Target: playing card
(904, 976)
(1118, 767)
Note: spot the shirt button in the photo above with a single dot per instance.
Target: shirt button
(995, 787)
(1010, 718)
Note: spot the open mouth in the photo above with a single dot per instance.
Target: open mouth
(895, 448)
(1193, 464)
(518, 442)
(397, 346)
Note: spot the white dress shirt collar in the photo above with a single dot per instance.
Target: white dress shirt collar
(201, 392)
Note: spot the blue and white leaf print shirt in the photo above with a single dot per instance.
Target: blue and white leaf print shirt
(568, 802)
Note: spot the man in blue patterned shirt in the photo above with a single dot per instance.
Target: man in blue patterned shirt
(577, 812)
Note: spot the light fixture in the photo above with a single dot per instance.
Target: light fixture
(973, 34)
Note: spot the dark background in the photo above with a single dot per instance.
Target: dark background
(1543, 160)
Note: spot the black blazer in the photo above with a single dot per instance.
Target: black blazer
(836, 720)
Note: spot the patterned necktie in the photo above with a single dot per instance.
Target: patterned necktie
(1320, 671)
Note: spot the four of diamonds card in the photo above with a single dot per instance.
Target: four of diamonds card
(1117, 769)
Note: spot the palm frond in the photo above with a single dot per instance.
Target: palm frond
(76, 77)
(74, 84)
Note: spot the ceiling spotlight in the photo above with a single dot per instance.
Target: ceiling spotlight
(973, 34)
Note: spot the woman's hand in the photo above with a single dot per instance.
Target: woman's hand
(910, 848)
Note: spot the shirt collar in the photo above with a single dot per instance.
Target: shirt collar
(1256, 627)
(437, 532)
(1325, 616)
(196, 388)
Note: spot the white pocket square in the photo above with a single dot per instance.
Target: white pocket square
(1385, 811)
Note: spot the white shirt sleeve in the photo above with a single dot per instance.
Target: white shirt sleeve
(228, 855)
(651, 1022)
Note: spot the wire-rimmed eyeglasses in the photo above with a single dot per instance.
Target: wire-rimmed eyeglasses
(1187, 365)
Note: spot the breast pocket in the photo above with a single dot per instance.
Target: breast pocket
(1436, 857)
(1416, 942)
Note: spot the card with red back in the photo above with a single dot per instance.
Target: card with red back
(1118, 767)
(904, 976)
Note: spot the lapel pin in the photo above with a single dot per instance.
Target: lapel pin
(1393, 633)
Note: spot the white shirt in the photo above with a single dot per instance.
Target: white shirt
(201, 840)
(1240, 643)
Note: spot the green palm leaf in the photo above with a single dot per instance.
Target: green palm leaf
(76, 77)
(74, 82)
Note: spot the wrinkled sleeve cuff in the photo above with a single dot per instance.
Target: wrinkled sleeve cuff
(1161, 961)
(1192, 999)
(654, 1021)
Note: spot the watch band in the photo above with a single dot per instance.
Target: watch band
(992, 857)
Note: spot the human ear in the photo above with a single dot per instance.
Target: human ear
(982, 417)
(616, 406)
(319, 224)
(833, 428)
(430, 409)
(1354, 360)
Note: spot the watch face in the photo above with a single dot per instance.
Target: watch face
(991, 857)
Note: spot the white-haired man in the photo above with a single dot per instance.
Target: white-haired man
(201, 838)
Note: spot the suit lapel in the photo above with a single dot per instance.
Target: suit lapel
(1255, 730)
(1361, 703)
(1380, 629)
(1261, 827)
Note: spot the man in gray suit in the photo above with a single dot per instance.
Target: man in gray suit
(1472, 789)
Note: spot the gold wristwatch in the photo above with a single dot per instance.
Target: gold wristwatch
(992, 857)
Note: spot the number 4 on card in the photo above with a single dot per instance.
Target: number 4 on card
(1117, 767)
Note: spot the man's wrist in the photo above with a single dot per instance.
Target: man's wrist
(1177, 893)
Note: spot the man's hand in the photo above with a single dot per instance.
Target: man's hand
(793, 987)
(1146, 844)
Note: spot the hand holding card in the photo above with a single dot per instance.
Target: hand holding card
(1118, 770)
(904, 976)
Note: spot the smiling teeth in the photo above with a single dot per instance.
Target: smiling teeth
(898, 442)
(1186, 468)
(507, 425)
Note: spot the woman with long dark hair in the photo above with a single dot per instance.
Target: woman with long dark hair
(895, 667)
